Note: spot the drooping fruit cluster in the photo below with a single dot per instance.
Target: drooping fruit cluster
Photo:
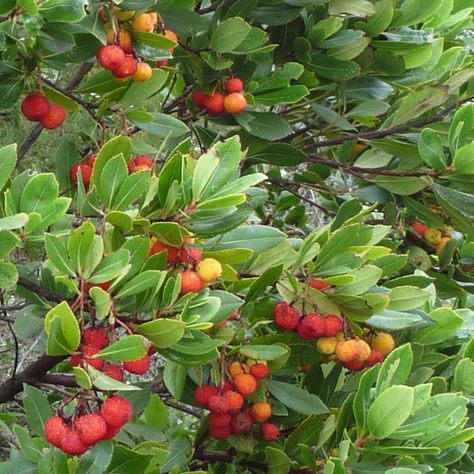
(37, 108)
(231, 410)
(76, 434)
(234, 102)
(434, 237)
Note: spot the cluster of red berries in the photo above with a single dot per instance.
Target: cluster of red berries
(76, 435)
(216, 103)
(231, 413)
(139, 163)
(96, 339)
(37, 108)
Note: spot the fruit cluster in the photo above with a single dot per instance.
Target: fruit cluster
(37, 108)
(230, 410)
(353, 353)
(216, 103)
(432, 236)
(76, 434)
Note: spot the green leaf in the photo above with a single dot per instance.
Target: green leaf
(430, 147)
(447, 322)
(356, 8)
(128, 348)
(110, 267)
(389, 411)
(13, 222)
(37, 409)
(174, 377)
(62, 329)
(296, 398)
(364, 279)
(464, 377)
(131, 189)
(8, 275)
(96, 459)
(461, 127)
(395, 368)
(162, 332)
(363, 398)
(63, 11)
(205, 168)
(262, 352)
(267, 278)
(413, 12)
(141, 91)
(82, 378)
(8, 161)
(111, 179)
(103, 382)
(463, 159)
(403, 298)
(79, 246)
(287, 95)
(39, 193)
(229, 34)
(102, 301)
(280, 154)
(338, 243)
(158, 124)
(57, 253)
(393, 320)
(422, 213)
(332, 68)
(458, 205)
(30, 447)
(141, 282)
(266, 125)
(167, 232)
(277, 461)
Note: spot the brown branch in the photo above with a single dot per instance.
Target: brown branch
(39, 290)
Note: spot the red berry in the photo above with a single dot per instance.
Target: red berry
(105, 286)
(235, 103)
(35, 106)
(220, 432)
(226, 387)
(72, 444)
(354, 365)
(270, 431)
(54, 430)
(236, 400)
(190, 282)
(259, 371)
(313, 325)
(191, 255)
(198, 98)
(419, 227)
(139, 367)
(109, 57)
(90, 160)
(320, 285)
(203, 393)
(286, 317)
(95, 337)
(245, 384)
(242, 422)
(234, 84)
(214, 103)
(88, 350)
(114, 372)
(161, 62)
(334, 324)
(219, 419)
(86, 173)
(125, 68)
(172, 253)
(374, 358)
(111, 432)
(230, 318)
(219, 404)
(151, 351)
(75, 360)
(55, 117)
(140, 163)
(91, 428)
(116, 411)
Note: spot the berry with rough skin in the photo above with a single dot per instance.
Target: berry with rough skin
(245, 384)
(261, 411)
(347, 351)
(433, 236)
(320, 285)
(88, 350)
(334, 325)
(72, 444)
(172, 252)
(236, 368)
(313, 325)
(235, 103)
(116, 411)
(270, 431)
(161, 63)
(54, 430)
(383, 342)
(218, 404)
(140, 163)
(104, 286)
(242, 422)
(95, 337)
(114, 372)
(234, 84)
(230, 318)
(191, 255)
(90, 159)
(219, 419)
(91, 428)
(214, 103)
(35, 106)
(259, 371)
(365, 351)
(143, 72)
(109, 57)
(374, 358)
(86, 173)
(419, 228)
(203, 393)
(111, 432)
(190, 282)
(143, 22)
(139, 367)
(198, 98)
(220, 432)
(209, 270)
(286, 317)
(226, 386)
(126, 68)
(236, 400)
(124, 40)
(326, 345)
(354, 365)
(54, 118)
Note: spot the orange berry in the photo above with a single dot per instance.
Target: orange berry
(245, 384)
(235, 103)
(259, 371)
(383, 342)
(109, 57)
(261, 411)
(235, 369)
(124, 40)
(143, 72)
(236, 400)
(433, 236)
(365, 351)
(190, 282)
(157, 247)
(143, 23)
(349, 350)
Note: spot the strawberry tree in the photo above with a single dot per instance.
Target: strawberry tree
(236, 236)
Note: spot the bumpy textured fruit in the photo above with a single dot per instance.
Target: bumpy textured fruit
(241, 422)
(220, 432)
(245, 384)
(143, 22)
(161, 63)
(87, 351)
(143, 72)
(203, 393)
(116, 411)
(433, 236)
(198, 98)
(320, 285)
(236, 368)
(326, 345)
(72, 444)
(35, 106)
(209, 270)
(54, 430)
(383, 342)
(347, 351)
(54, 118)
(261, 411)
(236, 400)
(172, 252)
(190, 282)
(114, 371)
(214, 103)
(354, 365)
(91, 428)
(286, 317)
(374, 358)
(140, 163)
(270, 431)
(111, 432)
(226, 386)
(90, 159)
(86, 173)
(190, 255)
(139, 367)
(95, 337)
(124, 40)
(235, 103)
(365, 351)
(313, 325)
(334, 324)
(125, 68)
(419, 227)
(219, 419)
(234, 84)
(259, 371)
(109, 57)
(218, 404)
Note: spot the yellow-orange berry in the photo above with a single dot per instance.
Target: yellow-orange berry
(349, 350)
(209, 270)
(245, 384)
(365, 351)
(143, 22)
(261, 411)
(442, 243)
(327, 345)
(143, 72)
(433, 236)
(383, 342)
(235, 369)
